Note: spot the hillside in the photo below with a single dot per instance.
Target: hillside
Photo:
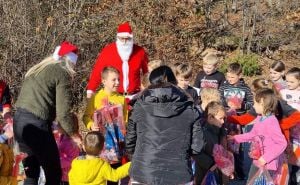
(171, 30)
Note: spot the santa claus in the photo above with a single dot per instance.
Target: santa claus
(130, 59)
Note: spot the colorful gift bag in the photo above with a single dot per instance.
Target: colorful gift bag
(294, 152)
(223, 159)
(256, 147)
(210, 179)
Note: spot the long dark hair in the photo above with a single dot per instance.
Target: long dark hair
(162, 75)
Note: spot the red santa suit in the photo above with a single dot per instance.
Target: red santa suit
(109, 56)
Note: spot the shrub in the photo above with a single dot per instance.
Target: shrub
(249, 63)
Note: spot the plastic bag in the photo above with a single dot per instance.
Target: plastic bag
(294, 152)
(210, 179)
(256, 147)
(109, 119)
(223, 159)
(261, 177)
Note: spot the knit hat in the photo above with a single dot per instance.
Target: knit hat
(124, 30)
(66, 49)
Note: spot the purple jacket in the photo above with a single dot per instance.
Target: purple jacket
(274, 142)
(68, 151)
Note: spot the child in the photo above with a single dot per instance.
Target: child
(277, 75)
(214, 116)
(267, 128)
(237, 98)
(154, 64)
(183, 73)
(208, 95)
(68, 150)
(292, 96)
(235, 94)
(292, 93)
(109, 94)
(110, 80)
(90, 169)
(209, 77)
(5, 98)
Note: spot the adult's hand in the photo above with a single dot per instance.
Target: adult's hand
(76, 138)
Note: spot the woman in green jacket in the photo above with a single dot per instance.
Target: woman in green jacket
(45, 95)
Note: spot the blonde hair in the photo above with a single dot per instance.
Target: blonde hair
(64, 62)
(211, 59)
(155, 64)
(107, 70)
(183, 69)
(213, 108)
(208, 95)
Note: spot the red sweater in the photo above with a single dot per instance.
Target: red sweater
(109, 57)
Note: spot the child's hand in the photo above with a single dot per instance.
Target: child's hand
(261, 161)
(230, 138)
(8, 130)
(95, 128)
(76, 138)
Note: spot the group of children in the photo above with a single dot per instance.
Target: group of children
(232, 111)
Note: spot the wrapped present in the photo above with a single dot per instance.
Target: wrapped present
(223, 159)
(256, 147)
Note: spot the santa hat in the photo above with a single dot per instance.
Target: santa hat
(124, 30)
(66, 49)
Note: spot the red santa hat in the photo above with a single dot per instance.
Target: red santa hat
(66, 49)
(124, 30)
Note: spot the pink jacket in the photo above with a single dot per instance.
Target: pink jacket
(274, 142)
(68, 151)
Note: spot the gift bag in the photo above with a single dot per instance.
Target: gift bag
(261, 177)
(294, 152)
(223, 159)
(210, 177)
(256, 147)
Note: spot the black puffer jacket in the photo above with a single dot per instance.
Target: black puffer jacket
(163, 130)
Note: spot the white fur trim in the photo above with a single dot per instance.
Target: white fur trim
(125, 34)
(55, 54)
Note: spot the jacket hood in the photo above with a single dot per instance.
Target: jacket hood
(165, 101)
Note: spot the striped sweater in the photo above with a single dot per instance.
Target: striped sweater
(238, 94)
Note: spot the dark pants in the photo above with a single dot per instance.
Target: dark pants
(242, 161)
(294, 175)
(35, 138)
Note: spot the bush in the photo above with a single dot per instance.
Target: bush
(249, 63)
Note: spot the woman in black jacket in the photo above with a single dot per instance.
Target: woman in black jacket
(163, 131)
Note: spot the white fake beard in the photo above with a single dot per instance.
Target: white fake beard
(124, 49)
